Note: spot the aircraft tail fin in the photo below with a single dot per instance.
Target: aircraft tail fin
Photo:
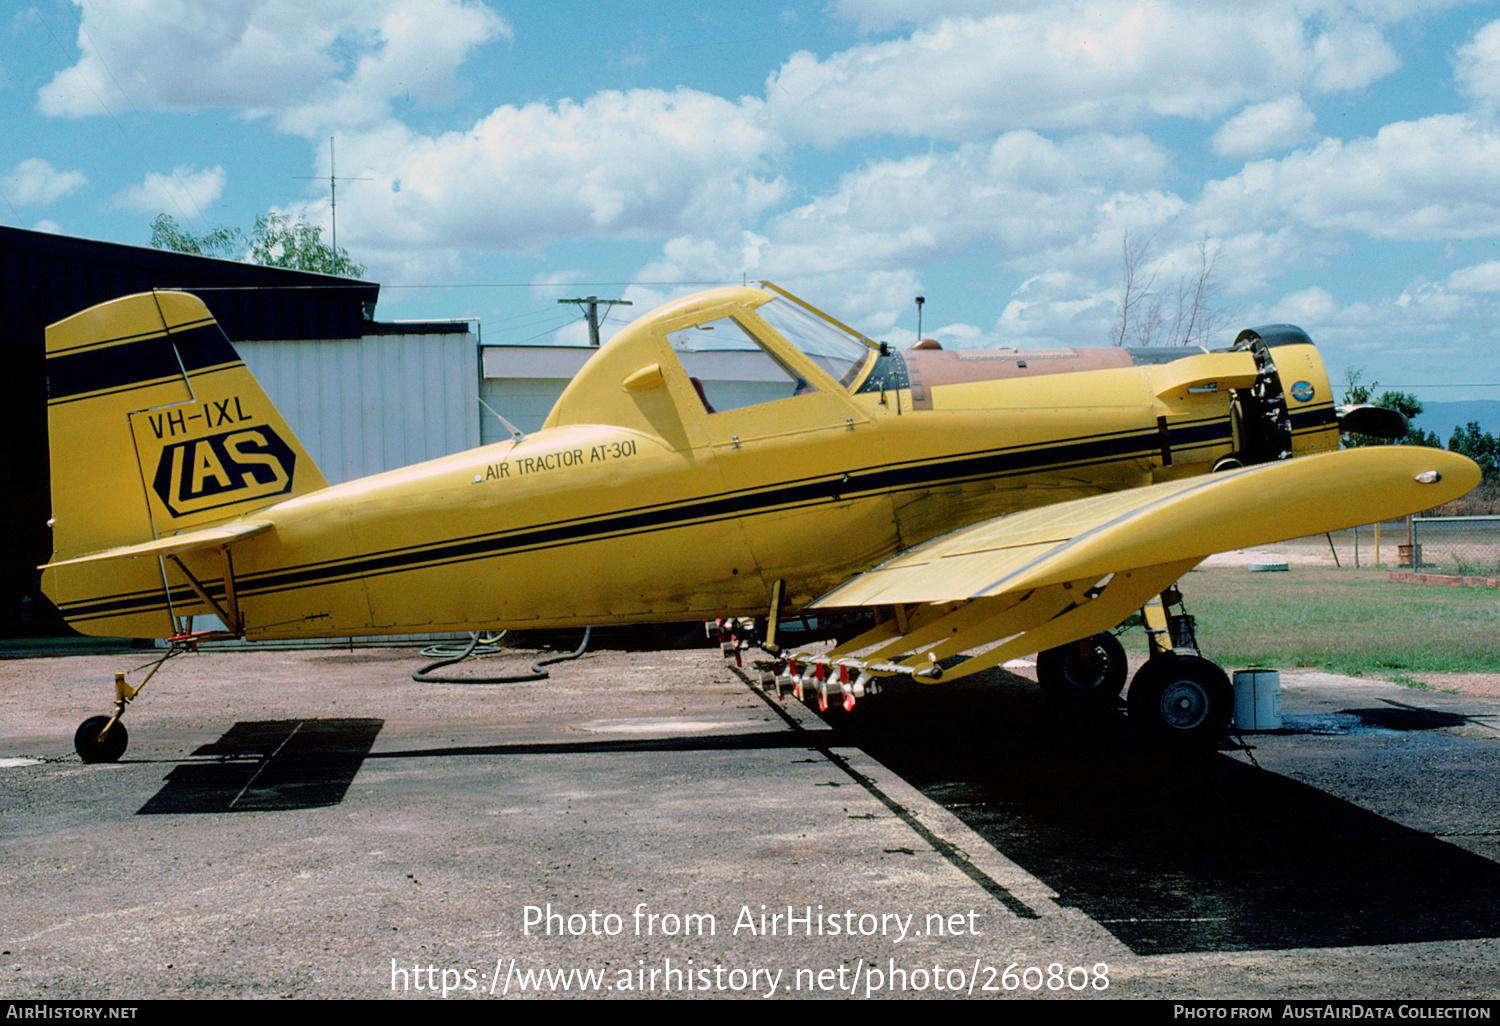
(156, 426)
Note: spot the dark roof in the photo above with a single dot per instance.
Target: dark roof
(44, 278)
(417, 327)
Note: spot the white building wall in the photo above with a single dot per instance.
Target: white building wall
(365, 405)
(521, 383)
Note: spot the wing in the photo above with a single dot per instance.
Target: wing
(1044, 577)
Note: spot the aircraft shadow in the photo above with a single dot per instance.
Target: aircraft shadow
(272, 765)
(279, 765)
(1176, 853)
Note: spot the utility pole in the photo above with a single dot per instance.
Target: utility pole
(591, 306)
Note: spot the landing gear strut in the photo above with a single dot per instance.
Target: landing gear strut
(1179, 696)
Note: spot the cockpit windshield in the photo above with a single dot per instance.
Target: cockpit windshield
(835, 350)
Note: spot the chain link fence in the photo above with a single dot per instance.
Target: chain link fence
(1464, 546)
(1469, 546)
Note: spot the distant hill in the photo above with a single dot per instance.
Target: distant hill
(1442, 418)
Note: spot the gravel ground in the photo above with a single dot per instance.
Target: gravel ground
(307, 823)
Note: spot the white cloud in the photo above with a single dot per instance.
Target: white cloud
(1265, 127)
(876, 15)
(184, 192)
(1415, 180)
(1483, 277)
(1425, 333)
(638, 164)
(1021, 200)
(1074, 65)
(35, 182)
(1057, 308)
(879, 15)
(1313, 305)
(1477, 65)
(1016, 196)
(1350, 55)
(316, 61)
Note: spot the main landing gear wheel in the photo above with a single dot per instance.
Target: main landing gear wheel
(88, 746)
(1086, 674)
(1182, 699)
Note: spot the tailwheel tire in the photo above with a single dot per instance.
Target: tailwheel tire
(1183, 699)
(1086, 674)
(88, 746)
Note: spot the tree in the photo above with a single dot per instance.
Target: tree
(1356, 392)
(1480, 446)
(279, 240)
(1146, 316)
(1136, 287)
(1409, 407)
(222, 241)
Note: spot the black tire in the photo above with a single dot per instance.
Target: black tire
(1185, 700)
(1086, 674)
(88, 746)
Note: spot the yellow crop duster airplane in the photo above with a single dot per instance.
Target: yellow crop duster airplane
(983, 505)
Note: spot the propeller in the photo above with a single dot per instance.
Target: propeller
(1375, 421)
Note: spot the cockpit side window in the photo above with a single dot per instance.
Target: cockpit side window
(730, 369)
(842, 355)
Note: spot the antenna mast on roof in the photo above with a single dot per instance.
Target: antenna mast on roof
(333, 192)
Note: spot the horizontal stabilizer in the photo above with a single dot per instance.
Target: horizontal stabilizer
(176, 545)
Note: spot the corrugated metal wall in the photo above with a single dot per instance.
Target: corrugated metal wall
(376, 403)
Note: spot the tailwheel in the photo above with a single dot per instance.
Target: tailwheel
(1085, 674)
(91, 748)
(1182, 699)
(86, 739)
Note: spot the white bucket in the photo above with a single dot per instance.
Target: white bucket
(1257, 700)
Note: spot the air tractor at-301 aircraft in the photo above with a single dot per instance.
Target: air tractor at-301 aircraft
(972, 506)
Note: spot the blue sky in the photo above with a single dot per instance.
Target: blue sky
(1336, 163)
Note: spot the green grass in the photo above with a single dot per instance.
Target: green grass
(1347, 621)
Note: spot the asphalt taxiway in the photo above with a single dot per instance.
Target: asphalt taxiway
(314, 824)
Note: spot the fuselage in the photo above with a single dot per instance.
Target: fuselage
(641, 499)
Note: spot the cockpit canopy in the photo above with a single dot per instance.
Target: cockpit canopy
(731, 348)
